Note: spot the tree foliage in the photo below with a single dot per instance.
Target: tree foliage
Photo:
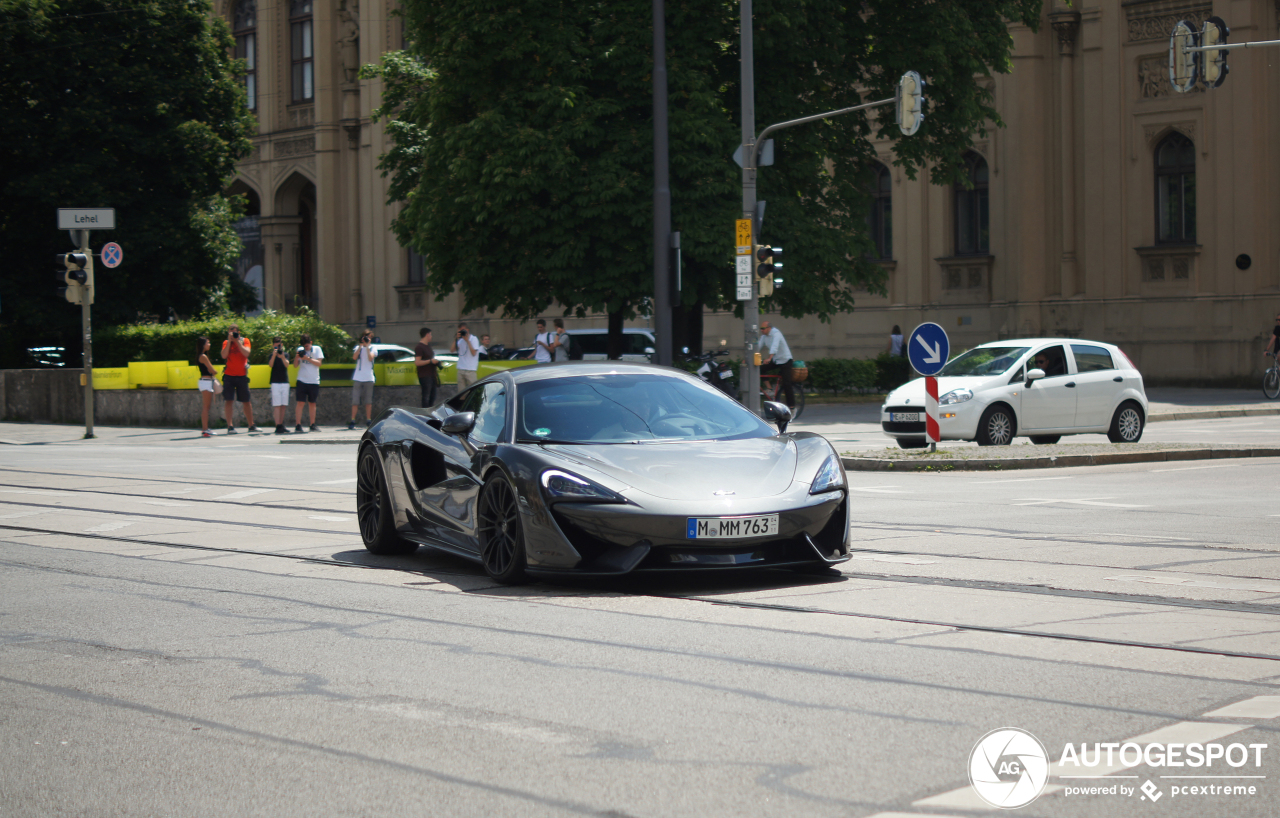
(523, 139)
(128, 104)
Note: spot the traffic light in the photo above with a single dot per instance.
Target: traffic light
(1214, 63)
(768, 268)
(77, 275)
(910, 102)
(1184, 66)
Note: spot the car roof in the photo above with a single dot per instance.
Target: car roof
(599, 331)
(573, 369)
(1031, 342)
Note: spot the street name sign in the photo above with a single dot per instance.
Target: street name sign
(86, 218)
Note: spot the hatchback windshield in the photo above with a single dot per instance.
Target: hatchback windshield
(984, 361)
(612, 408)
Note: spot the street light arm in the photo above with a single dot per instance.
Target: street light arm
(777, 126)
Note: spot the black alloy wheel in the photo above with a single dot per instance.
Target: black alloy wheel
(1045, 440)
(373, 509)
(997, 427)
(1126, 424)
(501, 532)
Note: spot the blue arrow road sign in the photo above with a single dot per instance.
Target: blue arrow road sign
(928, 348)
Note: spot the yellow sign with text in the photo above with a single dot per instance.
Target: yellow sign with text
(744, 237)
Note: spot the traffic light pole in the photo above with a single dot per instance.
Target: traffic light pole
(86, 327)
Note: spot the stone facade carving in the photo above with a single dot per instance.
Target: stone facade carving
(349, 39)
(1153, 132)
(1066, 24)
(1158, 23)
(303, 117)
(295, 147)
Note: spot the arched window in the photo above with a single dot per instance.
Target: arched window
(301, 51)
(1176, 190)
(880, 220)
(973, 224)
(245, 28)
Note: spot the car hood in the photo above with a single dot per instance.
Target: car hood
(912, 394)
(690, 470)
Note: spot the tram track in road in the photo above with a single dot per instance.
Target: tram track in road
(1230, 607)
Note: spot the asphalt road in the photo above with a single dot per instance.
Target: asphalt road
(192, 627)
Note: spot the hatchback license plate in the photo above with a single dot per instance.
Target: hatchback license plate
(904, 417)
(729, 528)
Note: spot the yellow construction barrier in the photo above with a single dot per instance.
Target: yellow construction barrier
(111, 378)
(151, 374)
(397, 374)
(487, 368)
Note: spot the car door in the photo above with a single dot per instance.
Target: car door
(1050, 402)
(1098, 385)
(445, 470)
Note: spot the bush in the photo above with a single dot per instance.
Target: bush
(117, 346)
(892, 371)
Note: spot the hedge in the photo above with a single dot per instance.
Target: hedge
(117, 346)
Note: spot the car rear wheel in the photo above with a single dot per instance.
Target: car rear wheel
(913, 442)
(373, 509)
(1045, 440)
(1126, 424)
(501, 533)
(997, 427)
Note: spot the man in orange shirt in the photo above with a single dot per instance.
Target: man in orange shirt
(235, 378)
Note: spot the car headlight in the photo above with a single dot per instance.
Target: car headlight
(955, 396)
(828, 476)
(561, 485)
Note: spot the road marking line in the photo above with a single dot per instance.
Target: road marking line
(18, 514)
(109, 527)
(1261, 587)
(884, 489)
(164, 503)
(1259, 707)
(332, 482)
(901, 558)
(239, 495)
(1018, 480)
(40, 492)
(1143, 536)
(1195, 468)
(332, 519)
(183, 491)
(1029, 501)
(966, 798)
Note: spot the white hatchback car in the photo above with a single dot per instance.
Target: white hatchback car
(1040, 388)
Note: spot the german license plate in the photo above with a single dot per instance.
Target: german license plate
(904, 417)
(730, 528)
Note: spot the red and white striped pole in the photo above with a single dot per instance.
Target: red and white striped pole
(931, 412)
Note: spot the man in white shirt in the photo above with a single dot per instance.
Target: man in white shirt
(777, 359)
(542, 344)
(307, 360)
(362, 379)
(468, 352)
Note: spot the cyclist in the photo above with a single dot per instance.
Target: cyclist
(778, 359)
(1273, 343)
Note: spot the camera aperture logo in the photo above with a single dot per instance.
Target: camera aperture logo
(1008, 768)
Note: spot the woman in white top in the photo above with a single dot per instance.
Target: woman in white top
(895, 342)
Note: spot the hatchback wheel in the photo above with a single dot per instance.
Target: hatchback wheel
(1045, 440)
(997, 427)
(1126, 424)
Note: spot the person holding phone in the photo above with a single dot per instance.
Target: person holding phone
(468, 352)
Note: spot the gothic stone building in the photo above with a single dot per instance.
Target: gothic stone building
(1110, 207)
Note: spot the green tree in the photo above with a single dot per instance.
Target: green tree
(125, 104)
(523, 139)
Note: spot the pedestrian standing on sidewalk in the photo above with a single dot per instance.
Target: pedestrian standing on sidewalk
(895, 342)
(560, 344)
(208, 379)
(542, 344)
(279, 363)
(425, 359)
(468, 352)
(307, 360)
(362, 379)
(235, 378)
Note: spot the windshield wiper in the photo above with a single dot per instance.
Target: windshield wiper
(548, 440)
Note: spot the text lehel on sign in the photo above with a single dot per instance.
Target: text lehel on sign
(86, 218)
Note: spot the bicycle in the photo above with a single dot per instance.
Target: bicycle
(1271, 378)
(771, 389)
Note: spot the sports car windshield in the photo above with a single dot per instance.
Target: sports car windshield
(613, 408)
(984, 361)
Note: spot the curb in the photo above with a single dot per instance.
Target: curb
(1207, 414)
(1050, 462)
(320, 442)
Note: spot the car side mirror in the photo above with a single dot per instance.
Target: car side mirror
(649, 350)
(1034, 375)
(779, 413)
(459, 423)
(684, 350)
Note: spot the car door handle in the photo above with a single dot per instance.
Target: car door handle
(1071, 384)
(1118, 379)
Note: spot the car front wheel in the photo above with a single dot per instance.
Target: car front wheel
(501, 532)
(913, 442)
(373, 509)
(997, 427)
(1127, 424)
